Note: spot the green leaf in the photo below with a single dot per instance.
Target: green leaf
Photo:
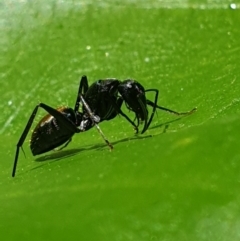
(180, 180)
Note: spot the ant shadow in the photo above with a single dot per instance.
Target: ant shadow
(68, 153)
(165, 125)
(61, 155)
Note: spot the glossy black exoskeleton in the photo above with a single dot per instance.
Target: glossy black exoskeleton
(101, 101)
(105, 98)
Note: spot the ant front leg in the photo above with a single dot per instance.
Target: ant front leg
(118, 107)
(59, 116)
(144, 112)
(154, 105)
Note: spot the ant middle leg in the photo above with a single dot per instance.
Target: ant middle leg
(95, 119)
(83, 87)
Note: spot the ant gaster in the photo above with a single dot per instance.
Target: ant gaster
(101, 101)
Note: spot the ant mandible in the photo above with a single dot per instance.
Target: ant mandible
(101, 101)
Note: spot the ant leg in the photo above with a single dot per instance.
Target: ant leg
(118, 107)
(83, 87)
(145, 112)
(171, 111)
(60, 117)
(65, 145)
(95, 119)
(23, 137)
(154, 105)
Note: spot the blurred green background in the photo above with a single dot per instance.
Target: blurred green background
(180, 180)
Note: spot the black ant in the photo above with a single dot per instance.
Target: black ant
(100, 102)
